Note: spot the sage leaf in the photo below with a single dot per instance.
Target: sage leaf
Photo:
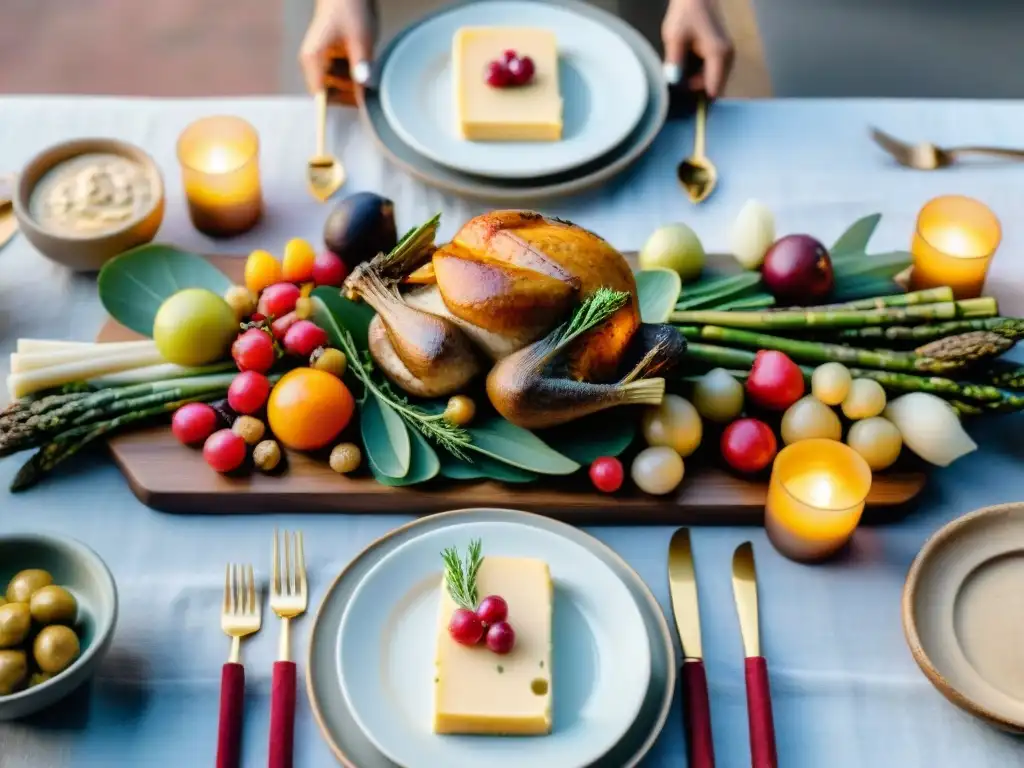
(353, 316)
(385, 438)
(423, 464)
(134, 284)
(608, 433)
(481, 467)
(855, 238)
(504, 441)
(658, 291)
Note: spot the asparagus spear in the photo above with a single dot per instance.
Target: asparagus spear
(967, 347)
(736, 360)
(926, 296)
(804, 320)
(1010, 327)
(817, 352)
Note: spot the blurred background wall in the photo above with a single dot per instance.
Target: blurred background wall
(953, 48)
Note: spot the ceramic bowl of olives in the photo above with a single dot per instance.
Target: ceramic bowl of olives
(58, 608)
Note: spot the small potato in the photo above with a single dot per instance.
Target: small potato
(15, 622)
(809, 418)
(13, 668)
(865, 399)
(876, 439)
(830, 383)
(55, 648)
(26, 582)
(675, 424)
(53, 605)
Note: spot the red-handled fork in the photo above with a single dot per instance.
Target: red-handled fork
(288, 597)
(239, 616)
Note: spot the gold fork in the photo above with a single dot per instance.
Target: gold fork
(239, 616)
(288, 597)
(924, 156)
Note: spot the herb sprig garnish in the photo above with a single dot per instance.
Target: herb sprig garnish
(460, 574)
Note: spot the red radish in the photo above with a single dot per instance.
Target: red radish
(329, 269)
(278, 299)
(465, 627)
(606, 473)
(248, 392)
(253, 350)
(501, 638)
(797, 269)
(193, 423)
(775, 382)
(492, 609)
(303, 337)
(748, 445)
(224, 451)
(280, 326)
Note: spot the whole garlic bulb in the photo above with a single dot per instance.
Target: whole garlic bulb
(752, 234)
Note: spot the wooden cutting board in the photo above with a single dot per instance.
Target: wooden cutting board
(168, 477)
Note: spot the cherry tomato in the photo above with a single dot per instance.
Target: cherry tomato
(329, 269)
(224, 450)
(303, 337)
(775, 382)
(278, 299)
(248, 392)
(748, 445)
(606, 473)
(193, 423)
(253, 350)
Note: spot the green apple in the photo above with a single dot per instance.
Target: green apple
(194, 327)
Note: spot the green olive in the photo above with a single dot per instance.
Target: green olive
(55, 648)
(25, 583)
(38, 678)
(13, 668)
(15, 621)
(53, 605)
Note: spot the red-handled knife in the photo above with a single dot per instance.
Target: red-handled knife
(682, 582)
(759, 697)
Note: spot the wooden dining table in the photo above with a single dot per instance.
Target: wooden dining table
(846, 691)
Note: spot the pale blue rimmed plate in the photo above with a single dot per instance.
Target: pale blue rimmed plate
(601, 661)
(603, 84)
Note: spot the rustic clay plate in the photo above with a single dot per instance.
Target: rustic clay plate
(963, 613)
(351, 746)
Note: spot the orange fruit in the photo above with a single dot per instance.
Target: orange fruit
(261, 270)
(308, 409)
(297, 264)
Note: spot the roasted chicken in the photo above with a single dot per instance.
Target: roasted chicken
(499, 297)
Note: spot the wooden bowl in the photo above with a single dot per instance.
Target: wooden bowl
(87, 253)
(963, 613)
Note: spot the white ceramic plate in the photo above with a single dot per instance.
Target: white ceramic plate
(601, 658)
(603, 84)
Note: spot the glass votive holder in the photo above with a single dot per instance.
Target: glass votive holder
(953, 245)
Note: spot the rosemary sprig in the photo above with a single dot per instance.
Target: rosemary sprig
(595, 309)
(460, 574)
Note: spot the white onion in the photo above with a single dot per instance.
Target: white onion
(877, 440)
(830, 383)
(865, 399)
(718, 396)
(930, 428)
(752, 235)
(810, 418)
(675, 423)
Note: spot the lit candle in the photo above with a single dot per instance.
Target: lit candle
(815, 498)
(220, 171)
(953, 245)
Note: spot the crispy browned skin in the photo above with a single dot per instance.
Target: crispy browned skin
(538, 258)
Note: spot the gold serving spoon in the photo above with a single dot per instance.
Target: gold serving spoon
(696, 173)
(928, 157)
(324, 173)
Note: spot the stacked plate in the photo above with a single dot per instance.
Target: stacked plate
(614, 103)
(370, 673)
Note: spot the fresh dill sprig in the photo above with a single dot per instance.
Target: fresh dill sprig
(460, 574)
(595, 309)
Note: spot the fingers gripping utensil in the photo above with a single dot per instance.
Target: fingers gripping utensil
(288, 598)
(324, 173)
(696, 173)
(924, 156)
(239, 616)
(759, 698)
(682, 583)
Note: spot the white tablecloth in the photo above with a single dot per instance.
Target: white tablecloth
(847, 693)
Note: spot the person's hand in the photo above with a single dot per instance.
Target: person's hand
(694, 27)
(337, 23)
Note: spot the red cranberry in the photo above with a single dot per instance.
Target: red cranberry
(509, 56)
(498, 75)
(501, 638)
(492, 609)
(465, 627)
(521, 70)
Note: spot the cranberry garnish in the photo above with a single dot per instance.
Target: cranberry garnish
(521, 70)
(501, 637)
(498, 75)
(492, 609)
(509, 56)
(465, 627)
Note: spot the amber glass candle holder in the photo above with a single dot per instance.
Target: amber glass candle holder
(220, 171)
(815, 498)
(953, 245)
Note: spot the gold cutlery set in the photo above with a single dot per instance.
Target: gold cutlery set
(693, 678)
(241, 617)
(924, 156)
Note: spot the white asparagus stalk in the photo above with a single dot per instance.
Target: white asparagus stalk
(22, 384)
(39, 346)
(23, 363)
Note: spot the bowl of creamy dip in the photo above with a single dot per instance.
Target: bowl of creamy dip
(83, 202)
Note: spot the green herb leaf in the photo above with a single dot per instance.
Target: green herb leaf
(423, 465)
(385, 437)
(608, 433)
(855, 238)
(658, 290)
(482, 467)
(595, 309)
(460, 574)
(519, 447)
(133, 285)
(353, 316)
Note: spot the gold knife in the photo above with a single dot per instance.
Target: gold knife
(682, 581)
(759, 698)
